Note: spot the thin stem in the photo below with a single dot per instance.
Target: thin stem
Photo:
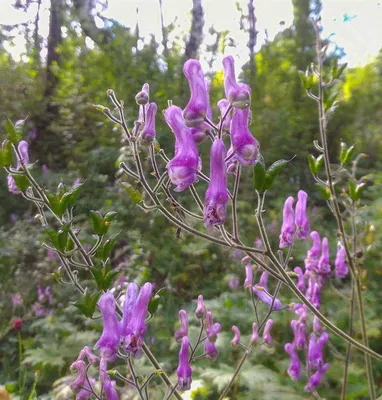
(135, 379)
(20, 350)
(234, 204)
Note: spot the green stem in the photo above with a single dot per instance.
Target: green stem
(20, 346)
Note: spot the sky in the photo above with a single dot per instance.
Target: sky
(355, 25)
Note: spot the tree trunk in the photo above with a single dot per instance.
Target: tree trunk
(196, 34)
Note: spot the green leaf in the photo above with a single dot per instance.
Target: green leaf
(11, 130)
(306, 79)
(325, 192)
(349, 154)
(359, 190)
(88, 302)
(6, 154)
(108, 279)
(54, 203)
(340, 71)
(107, 247)
(319, 163)
(61, 190)
(21, 181)
(273, 171)
(343, 151)
(259, 176)
(312, 163)
(62, 237)
(110, 216)
(69, 198)
(52, 235)
(352, 190)
(98, 276)
(135, 195)
(97, 221)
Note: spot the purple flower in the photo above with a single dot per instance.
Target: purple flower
(201, 310)
(111, 393)
(79, 382)
(239, 95)
(340, 264)
(301, 310)
(183, 330)
(300, 279)
(261, 291)
(196, 110)
(323, 263)
(315, 379)
(136, 327)
(294, 369)
(215, 209)
(17, 299)
(311, 261)
(210, 350)
(255, 334)
(184, 370)
(315, 349)
(224, 105)
(302, 221)
(128, 306)
(299, 330)
(23, 150)
(103, 375)
(148, 132)
(212, 330)
(244, 146)
(45, 169)
(317, 325)
(233, 282)
(12, 187)
(236, 339)
(246, 260)
(287, 228)
(183, 168)
(87, 353)
(109, 341)
(267, 332)
(142, 97)
(86, 393)
(316, 299)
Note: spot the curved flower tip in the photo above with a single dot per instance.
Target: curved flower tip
(299, 330)
(248, 276)
(239, 95)
(215, 209)
(236, 339)
(315, 379)
(87, 353)
(86, 393)
(148, 132)
(341, 268)
(255, 334)
(294, 370)
(210, 350)
(196, 110)
(267, 332)
(262, 293)
(287, 228)
(183, 168)
(110, 338)
(212, 330)
(201, 309)
(245, 147)
(300, 279)
(315, 350)
(183, 330)
(323, 263)
(184, 370)
(301, 220)
(128, 306)
(79, 382)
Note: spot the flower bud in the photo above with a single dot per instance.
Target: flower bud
(236, 339)
(201, 309)
(142, 98)
(267, 332)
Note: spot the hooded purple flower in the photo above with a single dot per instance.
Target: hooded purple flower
(261, 291)
(294, 369)
(236, 339)
(103, 375)
(255, 334)
(313, 254)
(183, 330)
(111, 393)
(148, 131)
(86, 393)
(224, 105)
(244, 146)
(315, 379)
(287, 228)
(212, 330)
(201, 309)
(300, 279)
(87, 353)
(216, 195)
(323, 263)
(183, 168)
(248, 276)
(299, 330)
(315, 349)
(302, 221)
(136, 327)
(210, 350)
(23, 150)
(267, 332)
(340, 264)
(109, 341)
(196, 110)
(79, 382)
(184, 370)
(239, 95)
(12, 187)
(316, 325)
(128, 306)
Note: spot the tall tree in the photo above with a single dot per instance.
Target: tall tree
(196, 33)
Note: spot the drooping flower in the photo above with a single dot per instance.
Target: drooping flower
(287, 228)
(239, 95)
(86, 393)
(80, 380)
(261, 291)
(323, 263)
(215, 209)
(201, 309)
(255, 334)
(267, 332)
(315, 379)
(212, 330)
(313, 254)
(183, 168)
(341, 268)
(248, 276)
(110, 338)
(210, 350)
(316, 325)
(128, 306)
(148, 131)
(302, 221)
(294, 369)
(12, 187)
(224, 105)
(87, 353)
(236, 339)
(315, 350)
(196, 110)
(184, 370)
(244, 146)
(183, 330)
(136, 328)
(111, 393)
(233, 282)
(300, 279)
(299, 330)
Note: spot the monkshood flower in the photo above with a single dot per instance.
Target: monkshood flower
(183, 330)
(248, 276)
(236, 338)
(255, 334)
(299, 330)
(23, 150)
(244, 146)
(301, 310)
(287, 228)
(111, 393)
(212, 330)
(86, 392)
(215, 209)
(142, 97)
(201, 309)
(317, 325)
(148, 131)
(341, 268)
(196, 110)
(315, 379)
(300, 279)
(315, 349)
(103, 375)
(323, 263)
(261, 291)
(224, 105)
(301, 220)
(136, 327)
(210, 350)
(313, 254)
(12, 187)
(110, 338)
(183, 168)
(267, 332)
(294, 369)
(79, 382)
(128, 306)
(315, 298)
(87, 353)
(239, 95)
(233, 282)
(184, 370)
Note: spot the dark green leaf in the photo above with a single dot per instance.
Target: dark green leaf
(54, 203)
(21, 181)
(6, 158)
(98, 276)
(349, 154)
(97, 221)
(325, 192)
(87, 304)
(108, 278)
(273, 171)
(312, 163)
(259, 176)
(352, 190)
(11, 130)
(107, 247)
(52, 235)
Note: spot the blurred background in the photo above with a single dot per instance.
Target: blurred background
(57, 57)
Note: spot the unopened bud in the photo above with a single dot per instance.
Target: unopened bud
(201, 309)
(142, 98)
(246, 260)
